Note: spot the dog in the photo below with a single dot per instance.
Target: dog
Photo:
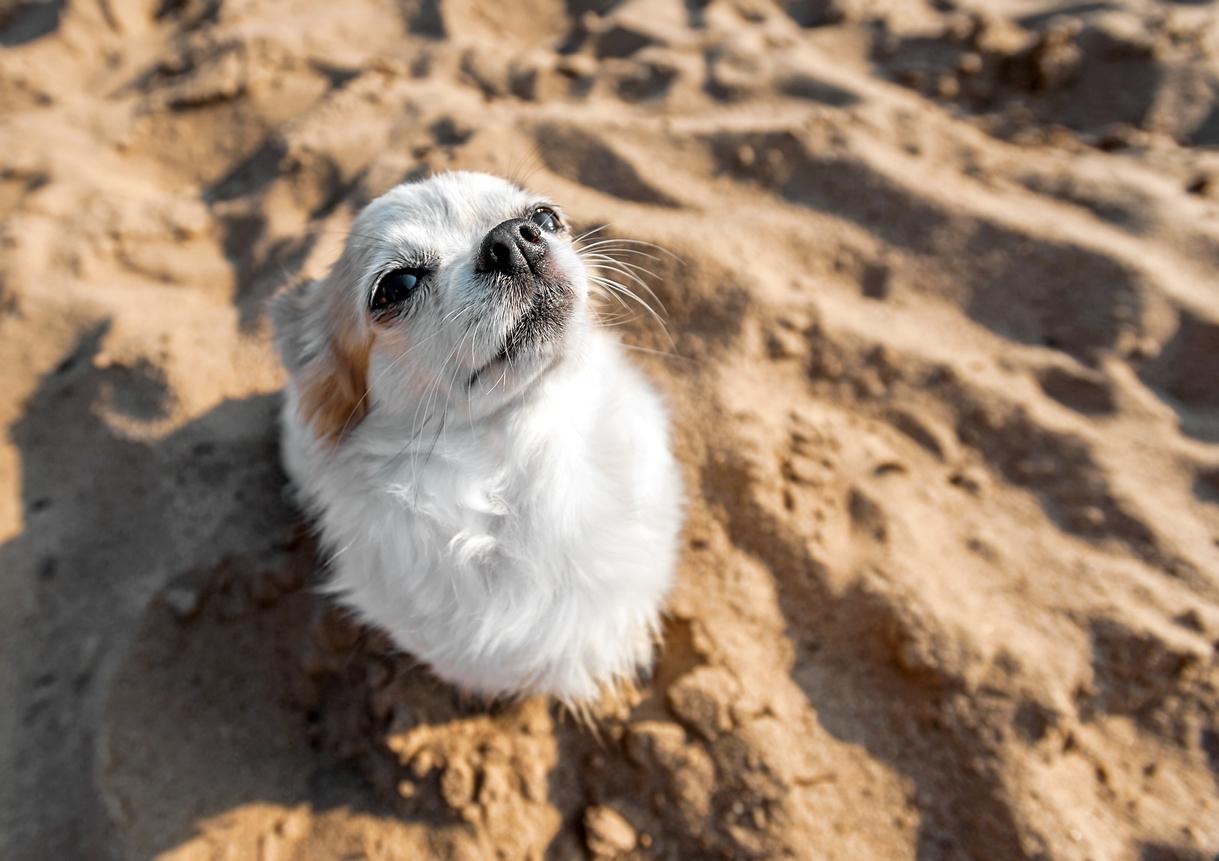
(492, 479)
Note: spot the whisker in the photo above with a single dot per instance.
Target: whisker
(604, 250)
(435, 390)
(424, 406)
(619, 288)
(605, 254)
(471, 333)
(635, 278)
(596, 281)
(613, 261)
(589, 233)
(639, 242)
(663, 353)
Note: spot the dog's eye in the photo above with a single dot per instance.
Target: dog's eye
(547, 219)
(394, 288)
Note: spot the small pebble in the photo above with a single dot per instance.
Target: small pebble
(608, 832)
(184, 601)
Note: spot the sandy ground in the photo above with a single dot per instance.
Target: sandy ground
(945, 390)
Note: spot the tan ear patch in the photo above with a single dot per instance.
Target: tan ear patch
(325, 345)
(334, 386)
(334, 390)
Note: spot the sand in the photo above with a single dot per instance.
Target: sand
(944, 374)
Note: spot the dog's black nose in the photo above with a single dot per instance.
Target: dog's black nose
(513, 248)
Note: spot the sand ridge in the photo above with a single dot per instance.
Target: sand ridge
(943, 334)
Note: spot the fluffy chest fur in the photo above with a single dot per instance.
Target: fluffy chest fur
(527, 551)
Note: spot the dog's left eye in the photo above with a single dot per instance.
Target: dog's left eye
(394, 289)
(547, 219)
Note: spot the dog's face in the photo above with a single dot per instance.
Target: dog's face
(452, 296)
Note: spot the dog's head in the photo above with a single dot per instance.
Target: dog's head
(453, 293)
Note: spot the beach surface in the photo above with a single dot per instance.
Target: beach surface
(940, 288)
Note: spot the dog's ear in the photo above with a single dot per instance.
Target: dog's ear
(324, 344)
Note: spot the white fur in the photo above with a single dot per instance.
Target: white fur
(518, 535)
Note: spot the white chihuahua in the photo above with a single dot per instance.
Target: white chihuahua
(492, 478)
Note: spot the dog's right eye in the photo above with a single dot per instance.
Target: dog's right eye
(394, 289)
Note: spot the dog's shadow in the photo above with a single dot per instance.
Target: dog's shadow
(177, 680)
(151, 605)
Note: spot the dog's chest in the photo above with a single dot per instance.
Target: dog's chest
(499, 503)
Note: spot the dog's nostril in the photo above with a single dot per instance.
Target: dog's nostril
(511, 248)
